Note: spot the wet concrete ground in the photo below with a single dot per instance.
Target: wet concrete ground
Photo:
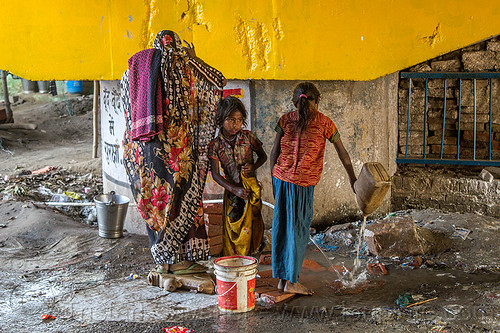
(51, 264)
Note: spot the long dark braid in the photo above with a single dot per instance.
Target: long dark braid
(303, 94)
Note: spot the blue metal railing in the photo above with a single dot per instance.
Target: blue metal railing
(424, 158)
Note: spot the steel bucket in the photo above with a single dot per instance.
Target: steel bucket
(111, 212)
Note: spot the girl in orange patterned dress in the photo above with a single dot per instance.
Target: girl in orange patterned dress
(296, 164)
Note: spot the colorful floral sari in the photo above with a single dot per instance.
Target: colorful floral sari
(168, 173)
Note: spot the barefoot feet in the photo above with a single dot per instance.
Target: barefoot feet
(281, 284)
(297, 288)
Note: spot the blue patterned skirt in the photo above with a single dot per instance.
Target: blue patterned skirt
(293, 213)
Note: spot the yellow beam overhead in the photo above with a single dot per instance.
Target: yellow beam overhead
(257, 39)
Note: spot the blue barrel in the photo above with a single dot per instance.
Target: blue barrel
(74, 87)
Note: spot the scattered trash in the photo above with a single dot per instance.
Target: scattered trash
(404, 300)
(422, 302)
(177, 329)
(132, 277)
(453, 309)
(347, 312)
(73, 195)
(461, 232)
(438, 329)
(50, 187)
(319, 239)
(447, 274)
(48, 317)
(413, 262)
(42, 170)
(377, 268)
(417, 262)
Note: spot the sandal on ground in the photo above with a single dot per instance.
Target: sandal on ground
(193, 269)
(161, 270)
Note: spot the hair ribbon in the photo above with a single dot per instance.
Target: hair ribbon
(303, 95)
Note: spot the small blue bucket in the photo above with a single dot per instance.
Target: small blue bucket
(74, 87)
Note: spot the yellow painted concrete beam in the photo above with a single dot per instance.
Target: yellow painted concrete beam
(255, 39)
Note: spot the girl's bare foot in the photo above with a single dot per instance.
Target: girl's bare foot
(281, 284)
(297, 288)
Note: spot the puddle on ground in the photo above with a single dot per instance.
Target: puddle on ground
(376, 291)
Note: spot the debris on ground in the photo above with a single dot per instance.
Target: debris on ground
(55, 185)
(42, 170)
(177, 329)
(490, 174)
(47, 317)
(321, 241)
(377, 269)
(404, 300)
(461, 232)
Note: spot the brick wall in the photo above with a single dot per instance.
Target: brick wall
(481, 57)
(457, 190)
(213, 224)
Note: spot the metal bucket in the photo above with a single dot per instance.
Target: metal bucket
(111, 211)
(29, 86)
(43, 87)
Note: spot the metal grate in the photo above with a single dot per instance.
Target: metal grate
(471, 141)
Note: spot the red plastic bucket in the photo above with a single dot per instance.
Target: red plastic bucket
(236, 283)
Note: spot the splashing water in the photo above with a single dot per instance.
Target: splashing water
(352, 279)
(328, 259)
(361, 237)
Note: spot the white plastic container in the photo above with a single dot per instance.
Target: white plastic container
(371, 187)
(236, 283)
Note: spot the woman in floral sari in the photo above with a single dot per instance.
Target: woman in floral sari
(170, 97)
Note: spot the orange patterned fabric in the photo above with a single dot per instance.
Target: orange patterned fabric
(301, 159)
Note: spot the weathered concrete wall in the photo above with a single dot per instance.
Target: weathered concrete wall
(364, 112)
(449, 189)
(366, 115)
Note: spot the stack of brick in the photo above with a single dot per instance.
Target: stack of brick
(481, 57)
(213, 224)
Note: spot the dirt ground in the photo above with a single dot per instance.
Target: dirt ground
(53, 262)
(63, 137)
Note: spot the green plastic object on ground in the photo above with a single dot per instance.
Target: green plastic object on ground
(404, 300)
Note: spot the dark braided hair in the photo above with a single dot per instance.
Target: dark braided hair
(226, 106)
(302, 103)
